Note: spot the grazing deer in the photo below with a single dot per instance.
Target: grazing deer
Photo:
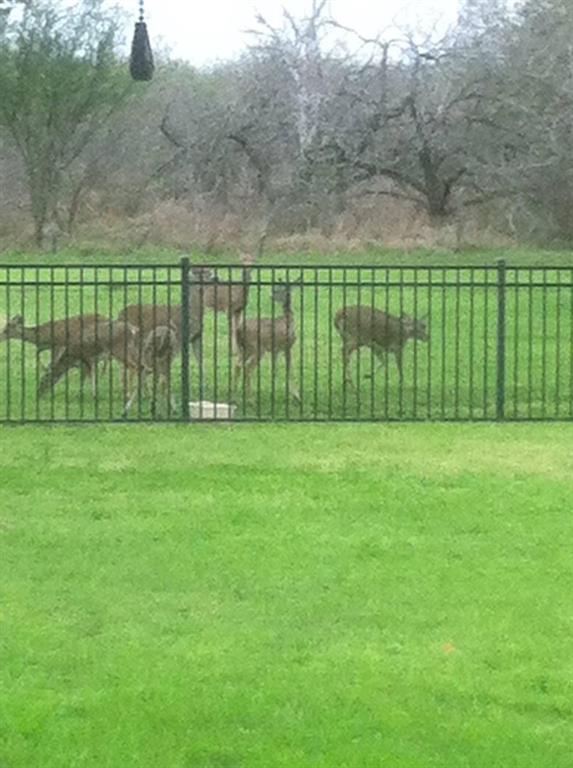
(368, 327)
(158, 350)
(230, 297)
(257, 336)
(147, 317)
(105, 338)
(55, 336)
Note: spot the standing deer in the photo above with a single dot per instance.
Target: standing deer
(368, 327)
(257, 336)
(158, 350)
(230, 297)
(147, 317)
(56, 336)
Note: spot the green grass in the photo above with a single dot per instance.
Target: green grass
(451, 377)
(286, 596)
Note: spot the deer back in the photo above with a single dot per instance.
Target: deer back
(366, 326)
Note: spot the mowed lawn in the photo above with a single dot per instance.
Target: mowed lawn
(293, 596)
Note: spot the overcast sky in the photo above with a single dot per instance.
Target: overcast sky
(215, 29)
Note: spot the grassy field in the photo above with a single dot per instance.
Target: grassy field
(453, 376)
(286, 596)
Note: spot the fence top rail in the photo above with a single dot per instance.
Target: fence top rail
(176, 266)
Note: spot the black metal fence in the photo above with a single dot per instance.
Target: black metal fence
(287, 343)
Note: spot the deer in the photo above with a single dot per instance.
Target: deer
(158, 349)
(230, 297)
(361, 326)
(147, 317)
(141, 356)
(105, 338)
(55, 336)
(258, 336)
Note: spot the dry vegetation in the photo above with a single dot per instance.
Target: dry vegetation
(456, 142)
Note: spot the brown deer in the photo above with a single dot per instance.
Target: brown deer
(55, 336)
(361, 326)
(230, 297)
(261, 335)
(155, 357)
(105, 338)
(147, 317)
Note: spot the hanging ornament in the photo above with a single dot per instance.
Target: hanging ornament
(141, 61)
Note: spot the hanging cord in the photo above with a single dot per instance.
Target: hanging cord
(141, 64)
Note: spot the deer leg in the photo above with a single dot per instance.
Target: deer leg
(382, 357)
(233, 324)
(168, 392)
(252, 363)
(240, 367)
(197, 346)
(139, 381)
(88, 369)
(347, 350)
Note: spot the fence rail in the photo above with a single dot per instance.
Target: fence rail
(247, 342)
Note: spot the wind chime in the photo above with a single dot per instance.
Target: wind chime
(141, 60)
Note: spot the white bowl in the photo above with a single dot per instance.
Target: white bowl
(207, 410)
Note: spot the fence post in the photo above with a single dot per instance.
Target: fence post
(185, 336)
(500, 375)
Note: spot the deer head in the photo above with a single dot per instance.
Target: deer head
(414, 328)
(13, 328)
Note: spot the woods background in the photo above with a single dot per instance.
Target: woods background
(315, 136)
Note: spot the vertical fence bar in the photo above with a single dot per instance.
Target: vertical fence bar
(500, 366)
(530, 348)
(95, 390)
(544, 346)
(330, 315)
(571, 344)
(429, 351)
(301, 381)
(8, 351)
(273, 343)
(415, 382)
(516, 348)
(234, 331)
(22, 348)
(387, 362)
(259, 367)
(216, 341)
(358, 402)
(401, 371)
(81, 278)
(444, 336)
(37, 355)
(457, 348)
(344, 377)
(185, 336)
(471, 346)
(485, 399)
(558, 348)
(67, 344)
(372, 356)
(316, 344)
(170, 324)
